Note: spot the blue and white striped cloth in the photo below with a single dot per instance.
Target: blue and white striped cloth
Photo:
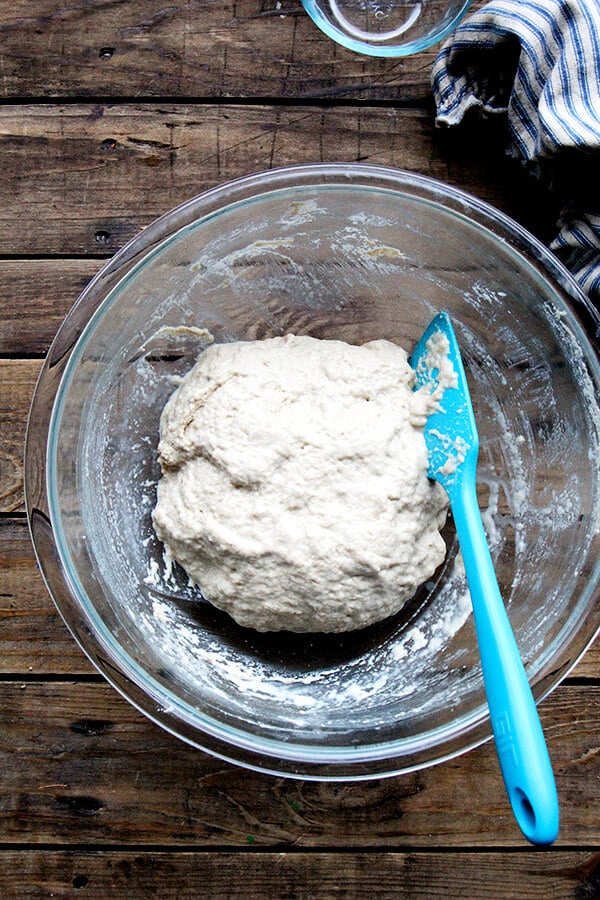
(538, 63)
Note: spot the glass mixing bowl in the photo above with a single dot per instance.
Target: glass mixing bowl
(335, 251)
(386, 27)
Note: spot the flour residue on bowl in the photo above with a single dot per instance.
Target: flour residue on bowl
(301, 212)
(321, 694)
(590, 391)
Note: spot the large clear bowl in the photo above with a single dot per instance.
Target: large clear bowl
(335, 251)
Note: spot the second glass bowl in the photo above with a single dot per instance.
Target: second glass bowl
(386, 28)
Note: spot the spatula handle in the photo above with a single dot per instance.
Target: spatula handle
(520, 742)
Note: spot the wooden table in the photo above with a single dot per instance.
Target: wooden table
(111, 114)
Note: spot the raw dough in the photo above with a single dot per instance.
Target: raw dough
(294, 487)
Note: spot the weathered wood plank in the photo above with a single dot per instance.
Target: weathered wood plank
(36, 296)
(33, 637)
(81, 765)
(17, 380)
(301, 876)
(589, 665)
(201, 48)
(91, 177)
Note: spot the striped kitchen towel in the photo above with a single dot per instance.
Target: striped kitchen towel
(538, 63)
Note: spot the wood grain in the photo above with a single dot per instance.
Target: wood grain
(17, 380)
(83, 766)
(301, 876)
(36, 296)
(90, 177)
(201, 48)
(33, 637)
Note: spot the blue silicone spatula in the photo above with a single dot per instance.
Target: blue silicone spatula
(453, 446)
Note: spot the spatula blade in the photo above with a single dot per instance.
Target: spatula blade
(450, 432)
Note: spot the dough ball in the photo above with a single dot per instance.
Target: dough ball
(294, 485)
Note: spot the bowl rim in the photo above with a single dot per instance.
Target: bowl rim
(271, 756)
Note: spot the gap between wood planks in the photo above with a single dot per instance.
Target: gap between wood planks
(329, 850)
(425, 104)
